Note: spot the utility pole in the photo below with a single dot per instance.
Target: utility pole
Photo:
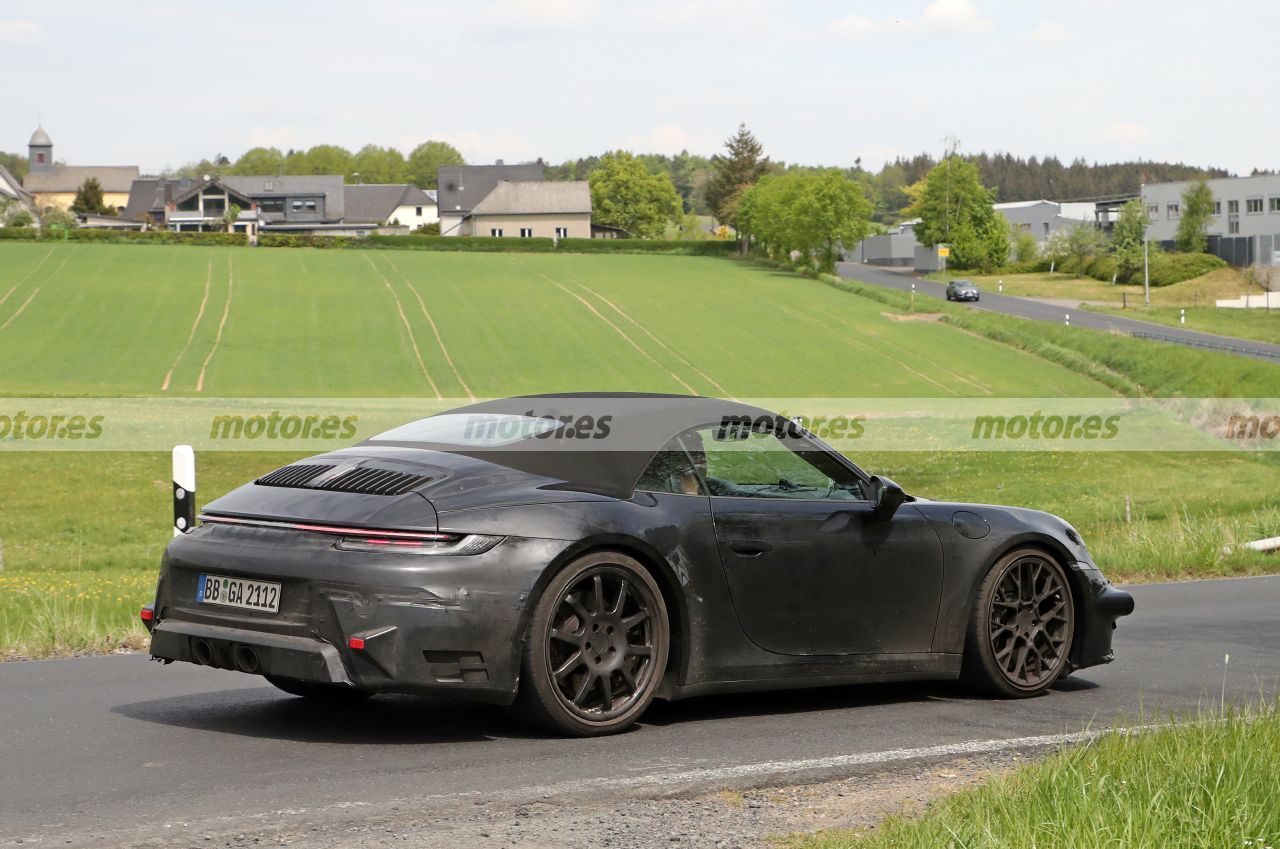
(1146, 269)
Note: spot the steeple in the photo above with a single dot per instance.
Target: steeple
(40, 152)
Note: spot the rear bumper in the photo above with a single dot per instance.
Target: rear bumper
(438, 625)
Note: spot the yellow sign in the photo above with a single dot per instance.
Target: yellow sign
(944, 251)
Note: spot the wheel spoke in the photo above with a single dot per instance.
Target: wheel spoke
(628, 678)
(622, 600)
(565, 636)
(639, 651)
(635, 619)
(597, 586)
(606, 691)
(573, 602)
(584, 688)
(574, 661)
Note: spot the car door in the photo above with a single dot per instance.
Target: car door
(812, 570)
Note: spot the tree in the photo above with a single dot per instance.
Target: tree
(1127, 236)
(730, 174)
(15, 163)
(1193, 224)
(812, 214)
(55, 217)
(231, 216)
(1078, 244)
(379, 165)
(955, 208)
(426, 159)
(88, 200)
(1025, 247)
(625, 195)
(321, 159)
(259, 161)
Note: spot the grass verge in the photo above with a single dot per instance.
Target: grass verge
(1262, 325)
(1200, 291)
(1204, 784)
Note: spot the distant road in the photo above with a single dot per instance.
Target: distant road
(1040, 311)
(119, 751)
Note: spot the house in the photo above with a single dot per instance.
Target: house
(11, 191)
(462, 187)
(394, 205)
(53, 185)
(551, 210)
(1245, 227)
(301, 204)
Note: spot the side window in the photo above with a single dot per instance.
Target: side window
(671, 470)
(746, 461)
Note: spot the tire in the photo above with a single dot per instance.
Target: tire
(318, 691)
(1023, 609)
(596, 648)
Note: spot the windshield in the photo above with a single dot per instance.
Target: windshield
(472, 429)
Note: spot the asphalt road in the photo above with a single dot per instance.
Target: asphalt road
(1040, 311)
(119, 750)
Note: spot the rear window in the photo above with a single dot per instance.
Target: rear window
(475, 430)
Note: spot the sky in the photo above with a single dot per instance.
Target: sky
(160, 84)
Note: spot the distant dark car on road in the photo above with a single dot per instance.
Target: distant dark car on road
(579, 555)
(962, 290)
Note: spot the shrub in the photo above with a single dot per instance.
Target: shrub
(22, 234)
(305, 240)
(464, 243)
(125, 237)
(647, 246)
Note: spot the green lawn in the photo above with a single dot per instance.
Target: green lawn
(82, 532)
(1263, 325)
(1206, 784)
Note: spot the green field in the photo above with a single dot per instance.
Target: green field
(82, 532)
(110, 319)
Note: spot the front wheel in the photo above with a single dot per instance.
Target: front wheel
(596, 649)
(1021, 628)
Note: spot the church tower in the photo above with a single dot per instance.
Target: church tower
(40, 152)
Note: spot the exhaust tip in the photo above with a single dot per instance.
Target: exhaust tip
(247, 660)
(202, 652)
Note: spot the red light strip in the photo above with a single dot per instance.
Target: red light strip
(420, 536)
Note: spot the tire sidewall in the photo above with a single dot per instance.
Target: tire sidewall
(980, 665)
(537, 693)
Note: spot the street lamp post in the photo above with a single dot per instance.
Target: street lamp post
(1146, 269)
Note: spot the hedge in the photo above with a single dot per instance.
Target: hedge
(464, 243)
(303, 240)
(708, 247)
(123, 237)
(1165, 268)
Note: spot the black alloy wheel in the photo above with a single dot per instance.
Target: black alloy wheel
(597, 647)
(1022, 626)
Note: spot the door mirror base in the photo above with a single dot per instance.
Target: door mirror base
(886, 496)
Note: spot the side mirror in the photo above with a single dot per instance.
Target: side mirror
(886, 496)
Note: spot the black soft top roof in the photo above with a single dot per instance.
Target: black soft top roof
(623, 432)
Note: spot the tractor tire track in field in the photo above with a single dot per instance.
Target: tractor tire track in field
(859, 344)
(35, 291)
(708, 378)
(208, 281)
(217, 339)
(984, 388)
(26, 276)
(434, 329)
(413, 341)
(677, 378)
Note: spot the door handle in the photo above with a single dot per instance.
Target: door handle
(750, 547)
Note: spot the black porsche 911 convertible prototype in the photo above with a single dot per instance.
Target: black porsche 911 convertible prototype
(579, 555)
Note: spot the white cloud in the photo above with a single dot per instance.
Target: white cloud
(542, 13)
(1127, 132)
(1049, 32)
(950, 17)
(18, 30)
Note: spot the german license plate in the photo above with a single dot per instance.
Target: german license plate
(238, 592)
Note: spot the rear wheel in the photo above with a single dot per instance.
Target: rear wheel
(596, 649)
(317, 690)
(1021, 628)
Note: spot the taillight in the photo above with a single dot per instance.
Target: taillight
(456, 544)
